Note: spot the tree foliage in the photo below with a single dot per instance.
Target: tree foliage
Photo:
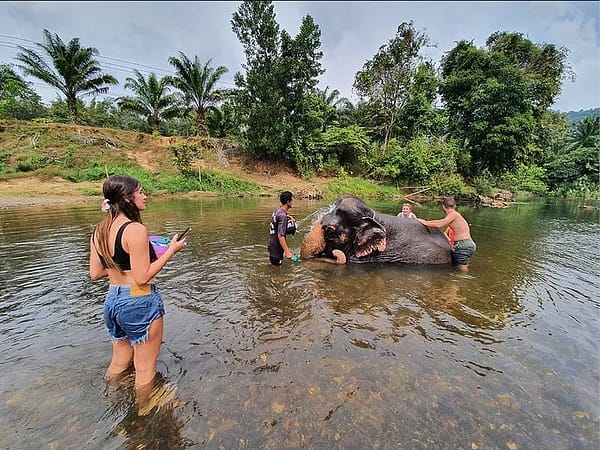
(17, 99)
(223, 121)
(495, 98)
(76, 72)
(280, 76)
(544, 66)
(197, 82)
(416, 162)
(492, 127)
(577, 162)
(387, 82)
(347, 146)
(152, 100)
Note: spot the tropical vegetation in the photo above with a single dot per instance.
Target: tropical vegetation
(477, 121)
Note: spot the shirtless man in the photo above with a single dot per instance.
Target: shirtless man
(464, 247)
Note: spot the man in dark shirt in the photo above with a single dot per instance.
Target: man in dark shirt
(279, 228)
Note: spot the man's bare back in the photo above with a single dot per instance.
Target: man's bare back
(459, 225)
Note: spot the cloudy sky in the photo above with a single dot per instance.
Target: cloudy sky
(143, 35)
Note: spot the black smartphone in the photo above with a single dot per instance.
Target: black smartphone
(184, 234)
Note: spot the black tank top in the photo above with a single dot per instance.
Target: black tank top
(121, 257)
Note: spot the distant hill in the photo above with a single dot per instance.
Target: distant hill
(577, 116)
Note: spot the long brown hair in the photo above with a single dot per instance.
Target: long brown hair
(118, 190)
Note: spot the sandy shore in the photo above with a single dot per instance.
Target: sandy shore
(19, 202)
(21, 192)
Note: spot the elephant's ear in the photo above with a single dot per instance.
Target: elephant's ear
(370, 237)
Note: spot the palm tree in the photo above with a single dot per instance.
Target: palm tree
(222, 121)
(585, 134)
(334, 105)
(153, 99)
(330, 98)
(76, 72)
(197, 83)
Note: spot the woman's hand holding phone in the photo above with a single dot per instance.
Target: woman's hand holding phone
(183, 235)
(178, 241)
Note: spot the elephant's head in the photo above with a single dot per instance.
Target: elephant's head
(349, 226)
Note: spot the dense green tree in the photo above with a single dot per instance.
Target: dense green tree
(385, 83)
(575, 166)
(153, 99)
(419, 161)
(496, 99)
(488, 107)
(544, 65)
(551, 134)
(103, 113)
(17, 99)
(259, 96)
(332, 106)
(274, 93)
(76, 73)
(347, 146)
(419, 115)
(585, 133)
(223, 121)
(197, 82)
(299, 67)
(346, 113)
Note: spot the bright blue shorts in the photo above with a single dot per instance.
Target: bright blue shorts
(129, 311)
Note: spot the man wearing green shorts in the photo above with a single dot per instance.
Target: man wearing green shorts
(464, 247)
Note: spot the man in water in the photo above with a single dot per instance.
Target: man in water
(279, 228)
(464, 247)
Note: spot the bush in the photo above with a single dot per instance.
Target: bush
(450, 185)
(34, 162)
(359, 187)
(87, 174)
(419, 161)
(584, 187)
(484, 184)
(527, 178)
(183, 156)
(3, 161)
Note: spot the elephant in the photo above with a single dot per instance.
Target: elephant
(351, 231)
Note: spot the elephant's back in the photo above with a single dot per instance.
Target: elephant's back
(409, 241)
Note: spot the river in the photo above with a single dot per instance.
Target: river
(309, 355)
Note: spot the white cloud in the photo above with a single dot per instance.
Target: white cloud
(148, 33)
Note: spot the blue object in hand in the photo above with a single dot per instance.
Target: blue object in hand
(295, 258)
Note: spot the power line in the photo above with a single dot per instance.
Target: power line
(117, 67)
(17, 38)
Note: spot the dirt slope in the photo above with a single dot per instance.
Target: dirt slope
(20, 139)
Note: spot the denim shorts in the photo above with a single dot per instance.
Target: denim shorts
(463, 250)
(129, 311)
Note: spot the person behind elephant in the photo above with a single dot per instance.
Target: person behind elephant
(281, 224)
(464, 246)
(407, 211)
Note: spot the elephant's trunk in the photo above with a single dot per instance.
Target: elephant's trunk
(314, 242)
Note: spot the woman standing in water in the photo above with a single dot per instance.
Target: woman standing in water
(133, 308)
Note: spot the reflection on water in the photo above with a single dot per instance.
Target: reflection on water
(309, 354)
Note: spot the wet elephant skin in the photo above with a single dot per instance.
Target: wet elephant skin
(365, 235)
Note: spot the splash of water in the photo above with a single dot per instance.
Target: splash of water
(312, 218)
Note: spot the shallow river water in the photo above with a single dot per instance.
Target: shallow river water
(309, 355)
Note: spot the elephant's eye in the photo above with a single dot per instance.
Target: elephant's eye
(331, 232)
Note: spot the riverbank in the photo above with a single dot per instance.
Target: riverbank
(33, 154)
(31, 191)
(36, 191)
